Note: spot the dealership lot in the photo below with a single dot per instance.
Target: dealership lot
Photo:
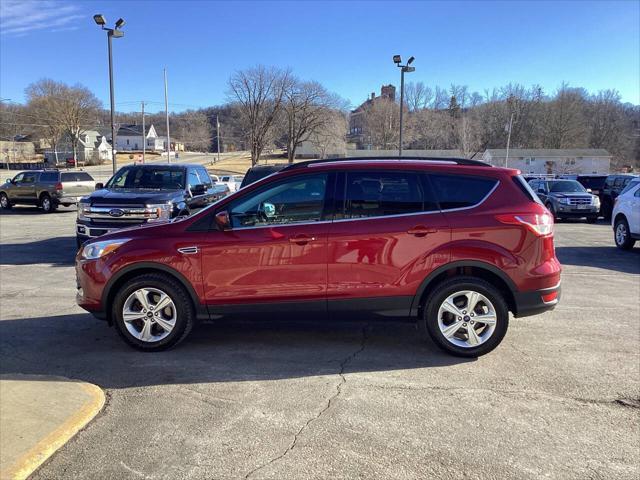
(560, 397)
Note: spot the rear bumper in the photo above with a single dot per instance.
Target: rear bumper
(536, 302)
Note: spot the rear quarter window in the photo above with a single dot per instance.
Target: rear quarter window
(460, 191)
(83, 177)
(48, 177)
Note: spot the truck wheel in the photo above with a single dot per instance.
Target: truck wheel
(622, 235)
(4, 201)
(153, 312)
(465, 316)
(46, 203)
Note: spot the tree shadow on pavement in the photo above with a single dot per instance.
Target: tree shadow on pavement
(610, 258)
(58, 251)
(81, 347)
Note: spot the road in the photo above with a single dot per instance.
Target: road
(560, 398)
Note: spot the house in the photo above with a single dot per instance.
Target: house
(93, 147)
(545, 161)
(357, 128)
(130, 138)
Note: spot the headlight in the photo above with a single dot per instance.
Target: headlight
(83, 209)
(157, 212)
(565, 201)
(100, 249)
(595, 201)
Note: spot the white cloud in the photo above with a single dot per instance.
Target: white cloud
(18, 17)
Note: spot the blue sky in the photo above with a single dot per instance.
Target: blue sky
(347, 46)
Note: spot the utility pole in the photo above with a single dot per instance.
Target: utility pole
(506, 160)
(218, 135)
(144, 135)
(166, 111)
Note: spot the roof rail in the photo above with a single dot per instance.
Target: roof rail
(454, 161)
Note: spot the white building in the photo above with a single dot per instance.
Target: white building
(130, 138)
(92, 147)
(540, 161)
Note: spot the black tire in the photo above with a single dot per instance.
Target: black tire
(4, 201)
(592, 219)
(623, 237)
(47, 205)
(184, 310)
(428, 322)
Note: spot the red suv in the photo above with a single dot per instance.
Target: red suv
(454, 245)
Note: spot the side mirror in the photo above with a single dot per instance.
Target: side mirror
(199, 189)
(223, 220)
(99, 186)
(9, 180)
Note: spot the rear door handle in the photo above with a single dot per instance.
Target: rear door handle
(301, 239)
(420, 230)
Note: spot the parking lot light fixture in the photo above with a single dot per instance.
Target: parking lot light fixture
(397, 59)
(117, 33)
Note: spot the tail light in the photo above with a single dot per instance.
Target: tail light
(59, 186)
(540, 224)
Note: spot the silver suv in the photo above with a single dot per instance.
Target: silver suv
(46, 188)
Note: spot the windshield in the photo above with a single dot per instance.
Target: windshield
(566, 186)
(152, 178)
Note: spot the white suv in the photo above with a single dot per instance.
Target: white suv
(626, 216)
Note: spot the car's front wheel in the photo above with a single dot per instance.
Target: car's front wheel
(465, 316)
(4, 201)
(622, 235)
(153, 312)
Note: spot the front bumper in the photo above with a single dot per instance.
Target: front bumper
(536, 302)
(570, 211)
(86, 230)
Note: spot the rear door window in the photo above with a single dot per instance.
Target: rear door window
(380, 194)
(48, 177)
(461, 191)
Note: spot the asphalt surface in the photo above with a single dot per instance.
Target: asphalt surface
(560, 398)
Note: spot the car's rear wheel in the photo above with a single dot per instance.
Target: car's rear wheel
(622, 235)
(46, 203)
(465, 316)
(4, 201)
(153, 312)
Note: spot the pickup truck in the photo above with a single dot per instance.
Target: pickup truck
(139, 194)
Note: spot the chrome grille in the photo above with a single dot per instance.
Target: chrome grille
(579, 201)
(119, 213)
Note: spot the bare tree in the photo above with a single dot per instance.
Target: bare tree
(258, 93)
(193, 129)
(382, 118)
(44, 110)
(417, 96)
(564, 120)
(331, 135)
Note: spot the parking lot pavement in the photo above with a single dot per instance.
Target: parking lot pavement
(559, 398)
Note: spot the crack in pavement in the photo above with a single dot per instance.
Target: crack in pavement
(338, 388)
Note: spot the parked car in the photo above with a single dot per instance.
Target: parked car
(47, 189)
(259, 172)
(613, 185)
(232, 181)
(567, 199)
(626, 216)
(139, 194)
(594, 183)
(452, 245)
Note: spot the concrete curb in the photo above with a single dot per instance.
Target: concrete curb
(44, 447)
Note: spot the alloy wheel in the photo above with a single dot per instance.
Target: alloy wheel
(46, 204)
(149, 314)
(621, 233)
(467, 319)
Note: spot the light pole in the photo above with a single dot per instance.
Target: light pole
(403, 68)
(117, 33)
(506, 160)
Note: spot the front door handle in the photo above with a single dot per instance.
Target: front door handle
(301, 239)
(420, 230)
